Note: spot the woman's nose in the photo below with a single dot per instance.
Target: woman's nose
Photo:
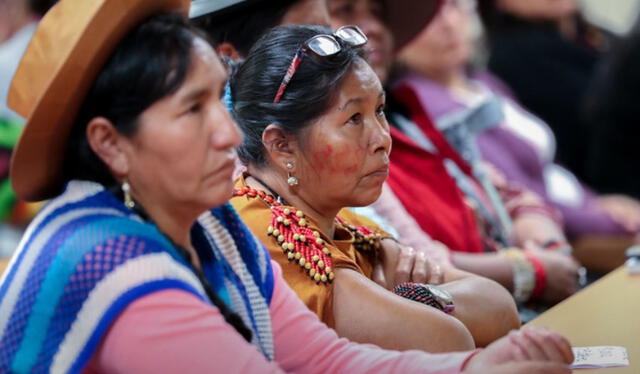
(381, 138)
(225, 131)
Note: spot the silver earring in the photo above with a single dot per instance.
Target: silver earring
(126, 190)
(291, 180)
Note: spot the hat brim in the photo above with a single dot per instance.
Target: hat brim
(406, 18)
(70, 47)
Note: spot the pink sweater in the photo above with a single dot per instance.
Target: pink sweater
(175, 332)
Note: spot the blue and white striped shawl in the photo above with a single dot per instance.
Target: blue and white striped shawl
(86, 257)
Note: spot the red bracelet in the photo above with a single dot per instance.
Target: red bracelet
(541, 276)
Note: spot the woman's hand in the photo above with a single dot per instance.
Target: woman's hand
(529, 350)
(561, 275)
(399, 263)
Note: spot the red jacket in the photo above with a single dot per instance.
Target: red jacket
(421, 182)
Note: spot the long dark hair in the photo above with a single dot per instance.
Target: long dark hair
(310, 93)
(150, 63)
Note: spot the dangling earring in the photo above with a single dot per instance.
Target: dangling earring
(126, 190)
(291, 180)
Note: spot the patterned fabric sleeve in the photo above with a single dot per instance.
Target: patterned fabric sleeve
(171, 332)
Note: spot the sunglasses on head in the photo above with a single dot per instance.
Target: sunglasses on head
(323, 45)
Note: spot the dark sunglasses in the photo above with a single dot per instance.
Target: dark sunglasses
(322, 45)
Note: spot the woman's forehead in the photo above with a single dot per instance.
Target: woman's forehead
(361, 86)
(362, 78)
(206, 73)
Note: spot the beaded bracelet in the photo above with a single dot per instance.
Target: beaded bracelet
(420, 293)
(524, 274)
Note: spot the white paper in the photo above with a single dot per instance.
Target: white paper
(599, 357)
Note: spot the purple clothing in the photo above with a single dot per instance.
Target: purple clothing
(519, 160)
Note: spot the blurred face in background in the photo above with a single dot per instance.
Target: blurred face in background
(366, 14)
(14, 15)
(445, 45)
(306, 12)
(550, 10)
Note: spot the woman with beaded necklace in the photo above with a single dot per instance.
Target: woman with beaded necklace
(317, 141)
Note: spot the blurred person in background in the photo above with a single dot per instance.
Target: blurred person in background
(612, 111)
(546, 52)
(234, 27)
(18, 19)
(482, 121)
(14, 15)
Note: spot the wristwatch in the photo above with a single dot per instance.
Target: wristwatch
(442, 298)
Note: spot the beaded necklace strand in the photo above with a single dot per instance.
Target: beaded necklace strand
(289, 228)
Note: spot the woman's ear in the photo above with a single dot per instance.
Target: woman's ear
(281, 148)
(108, 144)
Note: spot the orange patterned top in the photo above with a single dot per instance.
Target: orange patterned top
(353, 246)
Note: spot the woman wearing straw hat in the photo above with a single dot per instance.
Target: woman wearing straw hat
(126, 269)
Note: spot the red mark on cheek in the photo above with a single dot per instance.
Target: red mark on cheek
(327, 151)
(351, 157)
(344, 162)
(320, 158)
(350, 170)
(340, 155)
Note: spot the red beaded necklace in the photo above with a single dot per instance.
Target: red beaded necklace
(301, 244)
(289, 228)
